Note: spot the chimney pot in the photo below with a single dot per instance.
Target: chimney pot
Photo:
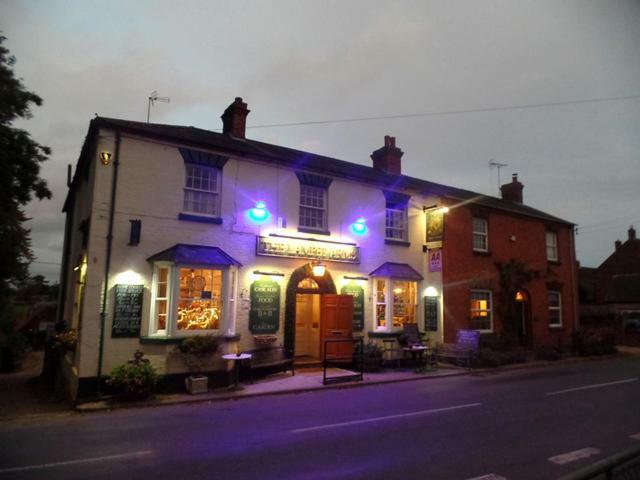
(618, 244)
(512, 192)
(387, 158)
(234, 118)
(632, 233)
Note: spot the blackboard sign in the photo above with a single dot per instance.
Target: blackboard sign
(469, 339)
(431, 314)
(264, 316)
(358, 304)
(127, 312)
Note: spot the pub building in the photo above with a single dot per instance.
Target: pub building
(174, 231)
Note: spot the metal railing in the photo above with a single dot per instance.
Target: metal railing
(621, 466)
(355, 361)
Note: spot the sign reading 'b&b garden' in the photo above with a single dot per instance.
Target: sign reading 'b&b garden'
(264, 315)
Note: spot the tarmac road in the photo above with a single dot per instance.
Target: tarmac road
(523, 424)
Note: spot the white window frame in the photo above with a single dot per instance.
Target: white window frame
(555, 308)
(489, 309)
(394, 213)
(551, 241)
(212, 190)
(304, 193)
(228, 307)
(480, 234)
(389, 303)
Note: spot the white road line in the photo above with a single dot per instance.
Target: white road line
(490, 476)
(121, 456)
(573, 456)
(597, 385)
(387, 417)
(635, 436)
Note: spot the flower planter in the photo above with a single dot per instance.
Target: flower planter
(196, 385)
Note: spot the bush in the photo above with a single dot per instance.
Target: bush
(197, 350)
(371, 356)
(594, 341)
(489, 357)
(135, 380)
(547, 352)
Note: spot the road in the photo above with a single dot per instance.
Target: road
(512, 425)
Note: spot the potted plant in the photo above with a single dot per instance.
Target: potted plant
(135, 380)
(371, 356)
(196, 352)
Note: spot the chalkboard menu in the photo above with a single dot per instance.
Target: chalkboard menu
(431, 314)
(264, 316)
(358, 304)
(127, 311)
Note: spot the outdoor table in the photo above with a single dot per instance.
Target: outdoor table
(237, 358)
(419, 353)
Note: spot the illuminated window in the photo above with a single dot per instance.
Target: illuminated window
(396, 224)
(481, 310)
(201, 191)
(381, 303)
(552, 246)
(480, 235)
(313, 207)
(399, 297)
(555, 309)
(161, 300)
(200, 300)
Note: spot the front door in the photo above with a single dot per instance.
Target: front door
(336, 320)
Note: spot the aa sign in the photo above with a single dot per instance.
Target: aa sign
(435, 260)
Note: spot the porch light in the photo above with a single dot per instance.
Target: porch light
(259, 213)
(519, 296)
(105, 157)
(318, 269)
(359, 227)
(430, 292)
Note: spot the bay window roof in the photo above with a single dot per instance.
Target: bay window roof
(195, 255)
(400, 271)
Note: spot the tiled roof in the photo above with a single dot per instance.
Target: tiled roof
(401, 271)
(301, 160)
(195, 255)
(624, 289)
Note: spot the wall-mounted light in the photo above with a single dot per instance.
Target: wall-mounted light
(318, 269)
(259, 213)
(359, 227)
(105, 157)
(431, 292)
(128, 277)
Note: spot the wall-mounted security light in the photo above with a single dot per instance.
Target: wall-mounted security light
(105, 157)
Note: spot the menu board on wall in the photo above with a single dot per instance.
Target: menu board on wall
(357, 293)
(264, 316)
(127, 311)
(431, 314)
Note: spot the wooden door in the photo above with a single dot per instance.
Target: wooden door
(336, 322)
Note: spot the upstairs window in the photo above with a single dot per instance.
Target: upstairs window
(201, 190)
(313, 207)
(481, 310)
(480, 235)
(552, 246)
(396, 216)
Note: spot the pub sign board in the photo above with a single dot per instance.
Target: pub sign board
(264, 316)
(127, 311)
(290, 247)
(431, 314)
(357, 292)
(435, 226)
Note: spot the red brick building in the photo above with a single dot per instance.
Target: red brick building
(482, 239)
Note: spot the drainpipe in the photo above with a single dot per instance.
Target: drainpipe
(103, 311)
(574, 293)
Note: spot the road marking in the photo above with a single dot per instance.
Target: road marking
(597, 385)
(387, 417)
(121, 456)
(490, 476)
(573, 456)
(635, 436)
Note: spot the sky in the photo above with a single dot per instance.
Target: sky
(300, 61)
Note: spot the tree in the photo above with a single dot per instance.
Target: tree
(20, 159)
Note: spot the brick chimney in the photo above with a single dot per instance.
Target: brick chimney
(512, 192)
(618, 244)
(234, 119)
(632, 233)
(387, 158)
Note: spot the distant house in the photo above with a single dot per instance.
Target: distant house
(173, 231)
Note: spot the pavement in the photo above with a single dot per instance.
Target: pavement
(22, 394)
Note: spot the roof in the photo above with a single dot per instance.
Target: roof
(195, 255)
(302, 160)
(401, 271)
(624, 289)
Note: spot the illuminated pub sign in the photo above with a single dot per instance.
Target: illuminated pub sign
(291, 247)
(264, 315)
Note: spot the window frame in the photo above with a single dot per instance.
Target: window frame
(555, 308)
(324, 209)
(404, 217)
(389, 303)
(216, 192)
(554, 257)
(489, 310)
(484, 235)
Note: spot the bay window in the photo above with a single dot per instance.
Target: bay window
(395, 303)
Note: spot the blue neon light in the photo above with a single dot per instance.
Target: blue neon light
(259, 213)
(359, 227)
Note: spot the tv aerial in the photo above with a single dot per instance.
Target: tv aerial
(494, 164)
(153, 97)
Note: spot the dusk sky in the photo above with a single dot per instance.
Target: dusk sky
(300, 61)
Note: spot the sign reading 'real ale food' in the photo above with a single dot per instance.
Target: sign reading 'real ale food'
(358, 304)
(127, 312)
(264, 316)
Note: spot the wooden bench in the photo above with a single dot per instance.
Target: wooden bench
(265, 357)
(463, 351)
